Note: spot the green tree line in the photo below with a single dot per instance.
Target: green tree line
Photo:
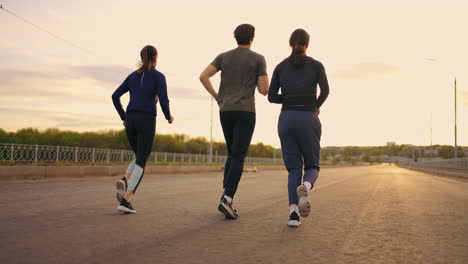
(116, 139)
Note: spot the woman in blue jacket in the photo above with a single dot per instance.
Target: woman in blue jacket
(145, 85)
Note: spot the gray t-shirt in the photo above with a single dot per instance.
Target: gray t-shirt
(240, 69)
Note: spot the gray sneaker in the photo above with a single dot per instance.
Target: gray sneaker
(121, 186)
(304, 204)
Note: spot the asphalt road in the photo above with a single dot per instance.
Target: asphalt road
(377, 214)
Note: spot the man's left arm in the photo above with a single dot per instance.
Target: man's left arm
(262, 82)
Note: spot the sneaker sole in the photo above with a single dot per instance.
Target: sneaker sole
(222, 208)
(304, 204)
(235, 213)
(120, 185)
(294, 223)
(126, 210)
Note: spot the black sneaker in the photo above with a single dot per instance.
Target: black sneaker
(126, 207)
(220, 200)
(294, 220)
(226, 208)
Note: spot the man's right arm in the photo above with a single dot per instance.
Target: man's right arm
(205, 76)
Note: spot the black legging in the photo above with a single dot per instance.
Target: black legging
(140, 128)
(238, 128)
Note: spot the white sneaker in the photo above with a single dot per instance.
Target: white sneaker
(304, 204)
(121, 188)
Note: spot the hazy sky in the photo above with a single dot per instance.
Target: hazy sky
(382, 87)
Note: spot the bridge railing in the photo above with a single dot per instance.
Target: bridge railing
(60, 154)
(461, 163)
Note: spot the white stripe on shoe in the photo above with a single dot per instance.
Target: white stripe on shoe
(124, 209)
(294, 223)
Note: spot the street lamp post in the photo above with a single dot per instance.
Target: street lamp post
(455, 152)
(455, 155)
(431, 137)
(211, 133)
(430, 147)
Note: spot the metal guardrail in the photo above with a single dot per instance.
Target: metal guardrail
(461, 163)
(58, 154)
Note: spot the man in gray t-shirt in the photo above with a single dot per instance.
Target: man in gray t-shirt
(241, 71)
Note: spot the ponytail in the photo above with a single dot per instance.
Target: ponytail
(147, 55)
(298, 41)
(297, 55)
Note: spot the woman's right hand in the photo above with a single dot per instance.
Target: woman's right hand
(171, 120)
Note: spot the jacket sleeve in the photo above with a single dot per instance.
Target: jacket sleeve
(121, 90)
(163, 97)
(324, 89)
(273, 92)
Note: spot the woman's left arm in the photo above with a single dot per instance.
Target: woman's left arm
(163, 97)
(273, 92)
(323, 83)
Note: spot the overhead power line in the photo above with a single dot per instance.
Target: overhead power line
(48, 32)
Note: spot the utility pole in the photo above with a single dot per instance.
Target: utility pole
(430, 149)
(211, 132)
(455, 155)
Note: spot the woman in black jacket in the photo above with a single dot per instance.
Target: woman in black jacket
(299, 127)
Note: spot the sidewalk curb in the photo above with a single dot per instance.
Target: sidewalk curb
(30, 172)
